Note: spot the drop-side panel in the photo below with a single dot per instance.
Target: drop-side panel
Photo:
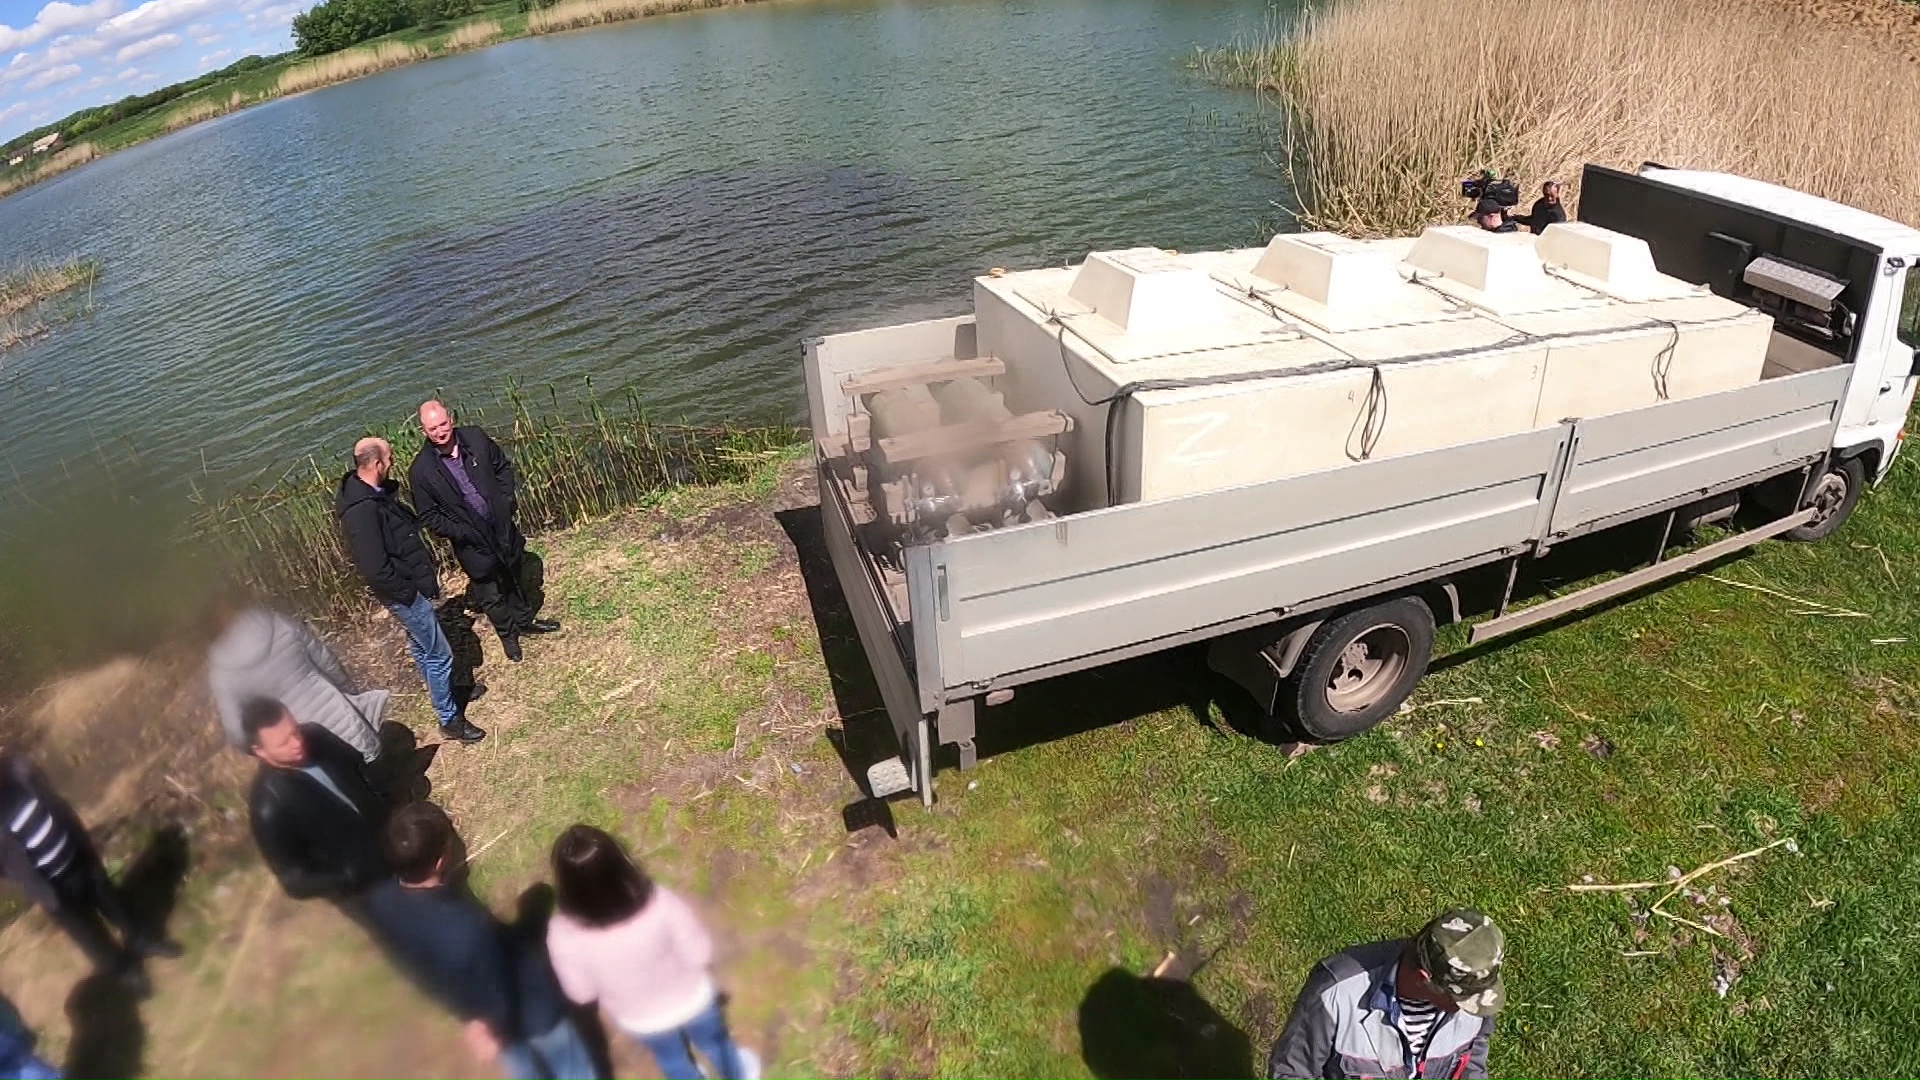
(1631, 460)
(879, 635)
(1022, 598)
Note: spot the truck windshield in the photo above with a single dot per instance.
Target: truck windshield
(1910, 309)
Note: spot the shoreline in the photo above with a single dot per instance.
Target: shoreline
(295, 75)
(25, 288)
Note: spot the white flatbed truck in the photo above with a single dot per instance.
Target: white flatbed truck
(1320, 593)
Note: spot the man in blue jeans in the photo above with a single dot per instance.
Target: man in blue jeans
(495, 979)
(383, 536)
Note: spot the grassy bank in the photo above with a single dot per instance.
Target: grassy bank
(285, 540)
(26, 288)
(707, 682)
(1383, 116)
(494, 24)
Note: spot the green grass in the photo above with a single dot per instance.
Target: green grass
(1117, 816)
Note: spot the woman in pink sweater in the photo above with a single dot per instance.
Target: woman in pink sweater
(638, 950)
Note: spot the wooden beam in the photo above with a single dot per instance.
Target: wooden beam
(875, 380)
(955, 438)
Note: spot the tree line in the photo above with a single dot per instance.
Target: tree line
(338, 24)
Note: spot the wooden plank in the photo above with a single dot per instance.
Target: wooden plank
(955, 438)
(1607, 590)
(874, 380)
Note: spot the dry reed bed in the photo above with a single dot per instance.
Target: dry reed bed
(348, 64)
(473, 35)
(71, 158)
(1383, 116)
(205, 108)
(575, 14)
(30, 283)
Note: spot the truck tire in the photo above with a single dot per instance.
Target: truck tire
(1358, 668)
(1835, 495)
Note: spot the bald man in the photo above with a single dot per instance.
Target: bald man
(383, 536)
(466, 491)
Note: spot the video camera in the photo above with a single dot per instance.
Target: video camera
(1488, 185)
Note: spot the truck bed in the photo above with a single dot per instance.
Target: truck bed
(996, 609)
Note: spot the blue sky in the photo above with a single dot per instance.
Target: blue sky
(63, 55)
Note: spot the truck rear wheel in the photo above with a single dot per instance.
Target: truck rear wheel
(1834, 496)
(1358, 668)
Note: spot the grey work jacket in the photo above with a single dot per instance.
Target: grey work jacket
(1344, 1025)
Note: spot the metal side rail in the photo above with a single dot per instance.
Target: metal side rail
(1606, 590)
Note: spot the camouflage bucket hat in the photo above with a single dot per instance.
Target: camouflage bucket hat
(1461, 953)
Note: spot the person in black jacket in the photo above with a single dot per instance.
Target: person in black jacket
(45, 850)
(466, 491)
(315, 817)
(1547, 209)
(383, 536)
(495, 979)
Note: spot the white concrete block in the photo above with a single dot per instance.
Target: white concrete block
(1147, 291)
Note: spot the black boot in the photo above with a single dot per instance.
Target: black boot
(462, 730)
(542, 626)
(510, 644)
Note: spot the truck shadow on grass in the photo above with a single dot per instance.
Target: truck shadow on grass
(1041, 712)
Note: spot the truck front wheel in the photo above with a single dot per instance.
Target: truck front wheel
(1835, 495)
(1358, 668)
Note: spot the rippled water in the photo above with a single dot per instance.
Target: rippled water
(668, 207)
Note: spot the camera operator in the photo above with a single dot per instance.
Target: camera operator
(1493, 198)
(1547, 209)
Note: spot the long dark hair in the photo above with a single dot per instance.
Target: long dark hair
(593, 879)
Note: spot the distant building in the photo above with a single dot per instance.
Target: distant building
(16, 158)
(47, 143)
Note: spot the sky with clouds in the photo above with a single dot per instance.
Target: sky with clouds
(63, 55)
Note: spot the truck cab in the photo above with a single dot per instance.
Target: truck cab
(1841, 282)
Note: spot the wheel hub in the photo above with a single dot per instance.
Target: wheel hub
(1368, 667)
(1828, 496)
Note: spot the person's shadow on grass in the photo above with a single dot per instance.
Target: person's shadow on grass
(1139, 1027)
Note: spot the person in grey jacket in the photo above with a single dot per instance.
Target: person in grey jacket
(264, 654)
(1414, 1007)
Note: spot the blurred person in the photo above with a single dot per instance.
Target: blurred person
(466, 491)
(1547, 209)
(45, 850)
(639, 950)
(383, 535)
(1418, 1006)
(17, 1059)
(315, 817)
(1492, 217)
(261, 653)
(496, 981)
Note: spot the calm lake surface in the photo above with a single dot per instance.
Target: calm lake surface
(666, 207)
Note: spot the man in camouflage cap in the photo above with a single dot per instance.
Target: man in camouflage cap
(1412, 1007)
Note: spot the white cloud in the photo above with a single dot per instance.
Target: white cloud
(55, 18)
(147, 47)
(204, 33)
(53, 75)
(278, 17)
(154, 16)
(127, 75)
(214, 59)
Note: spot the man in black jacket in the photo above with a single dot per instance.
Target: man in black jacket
(383, 536)
(315, 817)
(1547, 209)
(44, 849)
(467, 492)
(495, 979)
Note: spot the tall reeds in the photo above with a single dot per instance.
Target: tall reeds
(284, 538)
(473, 35)
(60, 161)
(348, 64)
(1387, 104)
(575, 14)
(204, 108)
